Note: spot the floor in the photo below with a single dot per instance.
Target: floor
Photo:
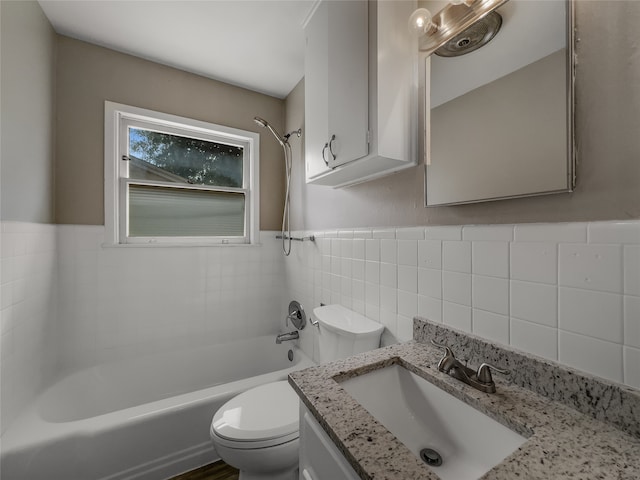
(213, 471)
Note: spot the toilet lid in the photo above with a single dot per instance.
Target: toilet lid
(261, 413)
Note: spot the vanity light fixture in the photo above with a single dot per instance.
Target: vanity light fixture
(433, 31)
(421, 23)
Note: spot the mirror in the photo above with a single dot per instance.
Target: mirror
(500, 118)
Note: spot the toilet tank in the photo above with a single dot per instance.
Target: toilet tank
(344, 332)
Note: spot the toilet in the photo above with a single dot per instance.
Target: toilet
(257, 432)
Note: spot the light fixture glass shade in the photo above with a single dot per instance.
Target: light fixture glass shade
(420, 22)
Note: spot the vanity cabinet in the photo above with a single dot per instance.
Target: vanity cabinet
(319, 457)
(361, 111)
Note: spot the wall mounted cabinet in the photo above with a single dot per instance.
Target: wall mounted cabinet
(336, 101)
(360, 91)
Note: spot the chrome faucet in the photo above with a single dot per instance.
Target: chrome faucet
(480, 379)
(283, 337)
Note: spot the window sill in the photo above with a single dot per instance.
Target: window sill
(177, 245)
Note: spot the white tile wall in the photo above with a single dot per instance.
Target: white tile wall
(388, 250)
(408, 252)
(490, 325)
(632, 366)
(443, 233)
(568, 292)
(407, 306)
(456, 256)
(535, 302)
(632, 321)
(389, 275)
(614, 232)
(430, 282)
(523, 285)
(491, 258)
(408, 278)
(494, 233)
(631, 260)
(534, 262)
(594, 267)
(590, 354)
(127, 301)
(430, 254)
(457, 316)
(591, 313)
(430, 307)
(456, 287)
(551, 232)
(490, 294)
(28, 322)
(534, 338)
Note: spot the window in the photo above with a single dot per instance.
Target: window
(174, 180)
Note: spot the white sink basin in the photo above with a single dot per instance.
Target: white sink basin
(422, 416)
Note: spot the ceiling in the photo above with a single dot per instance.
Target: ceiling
(256, 44)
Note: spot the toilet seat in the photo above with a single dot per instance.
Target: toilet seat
(263, 416)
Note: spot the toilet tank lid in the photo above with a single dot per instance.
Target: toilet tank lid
(343, 320)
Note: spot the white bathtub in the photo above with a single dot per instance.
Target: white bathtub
(142, 419)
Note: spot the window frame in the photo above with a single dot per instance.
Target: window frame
(117, 119)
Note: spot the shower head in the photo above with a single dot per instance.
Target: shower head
(260, 121)
(263, 123)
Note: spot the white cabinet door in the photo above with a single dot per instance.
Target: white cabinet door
(361, 86)
(319, 457)
(316, 98)
(336, 85)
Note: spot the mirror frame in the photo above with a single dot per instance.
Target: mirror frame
(570, 106)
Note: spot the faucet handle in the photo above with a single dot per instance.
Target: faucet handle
(484, 372)
(293, 315)
(447, 350)
(439, 345)
(448, 359)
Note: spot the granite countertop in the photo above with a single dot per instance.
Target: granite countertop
(561, 441)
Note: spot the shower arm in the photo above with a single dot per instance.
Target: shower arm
(297, 133)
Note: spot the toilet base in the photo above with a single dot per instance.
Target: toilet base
(278, 462)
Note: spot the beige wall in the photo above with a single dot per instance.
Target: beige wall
(608, 143)
(28, 51)
(87, 75)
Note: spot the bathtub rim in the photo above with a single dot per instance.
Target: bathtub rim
(30, 425)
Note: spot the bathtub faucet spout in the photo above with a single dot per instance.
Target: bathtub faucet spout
(283, 337)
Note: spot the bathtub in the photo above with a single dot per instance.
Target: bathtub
(142, 419)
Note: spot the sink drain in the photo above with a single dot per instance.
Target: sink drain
(431, 457)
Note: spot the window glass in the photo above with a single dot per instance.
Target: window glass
(173, 158)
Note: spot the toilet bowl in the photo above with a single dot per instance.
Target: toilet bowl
(257, 432)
